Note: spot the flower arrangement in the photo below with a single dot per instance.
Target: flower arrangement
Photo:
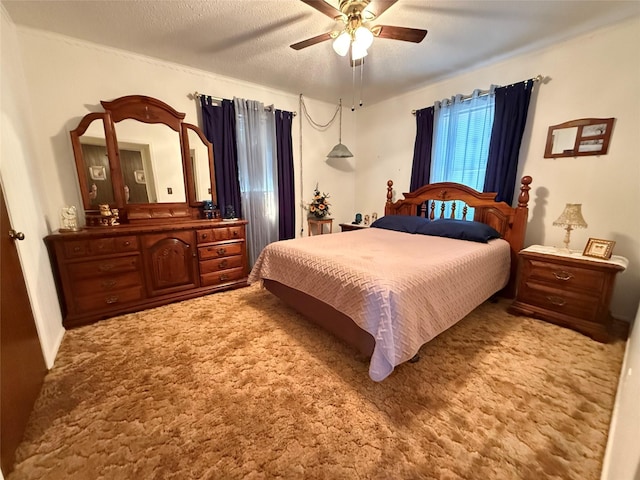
(319, 206)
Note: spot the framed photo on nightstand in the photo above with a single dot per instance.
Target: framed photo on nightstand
(599, 248)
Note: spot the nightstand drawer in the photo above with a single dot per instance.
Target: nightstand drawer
(566, 276)
(584, 307)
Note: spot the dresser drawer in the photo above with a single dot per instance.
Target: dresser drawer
(569, 303)
(109, 283)
(107, 266)
(220, 250)
(217, 264)
(100, 246)
(126, 244)
(566, 276)
(224, 276)
(107, 300)
(220, 234)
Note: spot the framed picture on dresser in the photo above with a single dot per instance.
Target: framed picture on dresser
(599, 248)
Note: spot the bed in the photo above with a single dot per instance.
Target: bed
(389, 289)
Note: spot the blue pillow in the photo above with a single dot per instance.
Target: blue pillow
(400, 223)
(459, 229)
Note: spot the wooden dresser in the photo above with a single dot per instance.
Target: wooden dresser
(570, 290)
(106, 271)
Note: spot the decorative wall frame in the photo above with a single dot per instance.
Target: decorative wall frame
(579, 138)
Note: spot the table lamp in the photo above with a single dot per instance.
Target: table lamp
(570, 218)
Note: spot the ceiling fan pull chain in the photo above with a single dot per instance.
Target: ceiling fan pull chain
(361, 73)
(353, 88)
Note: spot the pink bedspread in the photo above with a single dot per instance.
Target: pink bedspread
(403, 289)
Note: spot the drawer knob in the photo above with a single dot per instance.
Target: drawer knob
(558, 301)
(109, 283)
(222, 251)
(224, 277)
(204, 235)
(111, 300)
(105, 267)
(223, 264)
(562, 275)
(235, 233)
(127, 243)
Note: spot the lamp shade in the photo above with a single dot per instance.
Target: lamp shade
(339, 151)
(363, 37)
(358, 51)
(571, 216)
(342, 43)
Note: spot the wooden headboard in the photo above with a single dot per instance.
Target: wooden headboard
(429, 202)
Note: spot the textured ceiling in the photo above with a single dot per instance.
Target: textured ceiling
(249, 39)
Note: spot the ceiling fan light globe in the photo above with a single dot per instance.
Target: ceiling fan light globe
(357, 52)
(364, 37)
(341, 44)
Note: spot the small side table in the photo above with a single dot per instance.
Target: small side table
(567, 289)
(347, 227)
(317, 225)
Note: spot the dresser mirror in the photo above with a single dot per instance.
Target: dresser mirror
(151, 162)
(579, 138)
(140, 158)
(199, 156)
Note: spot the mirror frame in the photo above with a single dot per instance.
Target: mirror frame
(580, 125)
(147, 110)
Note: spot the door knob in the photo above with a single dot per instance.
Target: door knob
(16, 235)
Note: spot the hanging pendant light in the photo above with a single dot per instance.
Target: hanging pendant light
(340, 150)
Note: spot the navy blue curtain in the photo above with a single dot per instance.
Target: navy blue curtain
(220, 129)
(512, 106)
(422, 148)
(286, 199)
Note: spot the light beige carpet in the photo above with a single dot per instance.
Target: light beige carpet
(235, 385)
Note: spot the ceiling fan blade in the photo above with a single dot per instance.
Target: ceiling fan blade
(311, 41)
(323, 7)
(378, 7)
(414, 35)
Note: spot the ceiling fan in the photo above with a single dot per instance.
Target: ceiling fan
(356, 34)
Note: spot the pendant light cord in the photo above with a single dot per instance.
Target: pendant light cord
(320, 127)
(340, 131)
(316, 125)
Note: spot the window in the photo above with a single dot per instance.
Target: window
(462, 133)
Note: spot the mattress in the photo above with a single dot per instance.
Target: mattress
(404, 289)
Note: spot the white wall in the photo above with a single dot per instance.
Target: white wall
(622, 458)
(22, 182)
(596, 75)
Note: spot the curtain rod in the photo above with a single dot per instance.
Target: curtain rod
(537, 78)
(196, 95)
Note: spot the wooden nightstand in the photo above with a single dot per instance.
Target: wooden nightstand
(347, 227)
(567, 289)
(316, 225)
